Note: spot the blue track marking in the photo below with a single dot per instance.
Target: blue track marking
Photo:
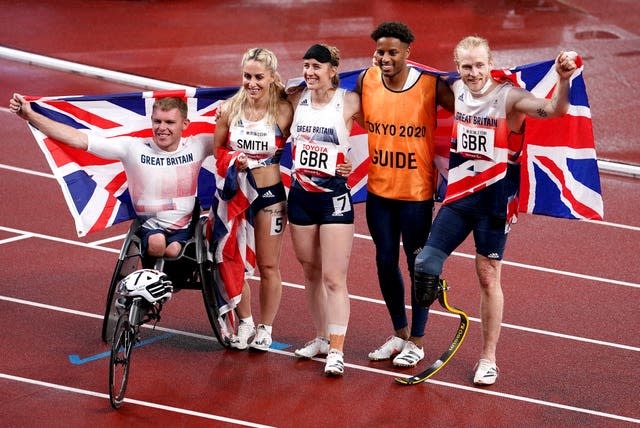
(279, 346)
(75, 359)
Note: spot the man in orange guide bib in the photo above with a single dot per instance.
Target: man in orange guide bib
(399, 107)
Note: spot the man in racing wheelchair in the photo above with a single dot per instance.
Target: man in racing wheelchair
(162, 171)
(162, 176)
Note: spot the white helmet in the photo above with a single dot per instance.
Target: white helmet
(152, 285)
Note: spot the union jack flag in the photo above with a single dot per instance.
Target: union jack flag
(95, 189)
(559, 174)
(232, 227)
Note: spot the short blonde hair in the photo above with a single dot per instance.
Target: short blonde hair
(169, 103)
(470, 42)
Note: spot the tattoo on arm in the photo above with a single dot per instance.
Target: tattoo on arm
(541, 112)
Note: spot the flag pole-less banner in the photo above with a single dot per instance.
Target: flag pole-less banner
(559, 172)
(95, 189)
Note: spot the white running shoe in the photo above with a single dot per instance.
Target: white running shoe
(391, 347)
(317, 346)
(410, 355)
(486, 373)
(262, 340)
(335, 363)
(241, 339)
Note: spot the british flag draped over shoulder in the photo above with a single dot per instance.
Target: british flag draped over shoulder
(559, 175)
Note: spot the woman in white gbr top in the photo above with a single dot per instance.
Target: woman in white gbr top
(255, 121)
(320, 210)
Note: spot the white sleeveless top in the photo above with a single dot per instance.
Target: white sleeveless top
(481, 174)
(320, 141)
(261, 142)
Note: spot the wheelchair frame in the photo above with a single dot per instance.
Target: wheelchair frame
(201, 274)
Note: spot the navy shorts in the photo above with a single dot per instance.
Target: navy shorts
(181, 235)
(451, 227)
(308, 208)
(268, 196)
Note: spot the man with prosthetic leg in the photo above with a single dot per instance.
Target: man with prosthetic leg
(427, 275)
(428, 287)
(483, 182)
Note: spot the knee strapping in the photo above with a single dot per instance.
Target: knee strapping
(430, 261)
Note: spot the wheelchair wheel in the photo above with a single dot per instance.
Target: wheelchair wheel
(220, 324)
(121, 347)
(128, 262)
(111, 314)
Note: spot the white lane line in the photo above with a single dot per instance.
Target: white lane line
(504, 325)
(130, 401)
(542, 269)
(15, 238)
(108, 240)
(56, 239)
(26, 171)
(558, 272)
(354, 366)
(99, 317)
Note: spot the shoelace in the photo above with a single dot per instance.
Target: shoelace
(337, 365)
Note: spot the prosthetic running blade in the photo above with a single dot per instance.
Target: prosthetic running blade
(451, 350)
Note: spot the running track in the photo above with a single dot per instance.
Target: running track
(569, 348)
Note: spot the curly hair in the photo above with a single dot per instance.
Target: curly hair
(396, 30)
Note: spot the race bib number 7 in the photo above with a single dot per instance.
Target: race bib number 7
(475, 143)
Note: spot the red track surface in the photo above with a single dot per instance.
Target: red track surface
(569, 348)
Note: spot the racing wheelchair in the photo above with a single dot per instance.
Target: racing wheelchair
(140, 285)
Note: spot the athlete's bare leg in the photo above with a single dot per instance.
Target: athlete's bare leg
(491, 304)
